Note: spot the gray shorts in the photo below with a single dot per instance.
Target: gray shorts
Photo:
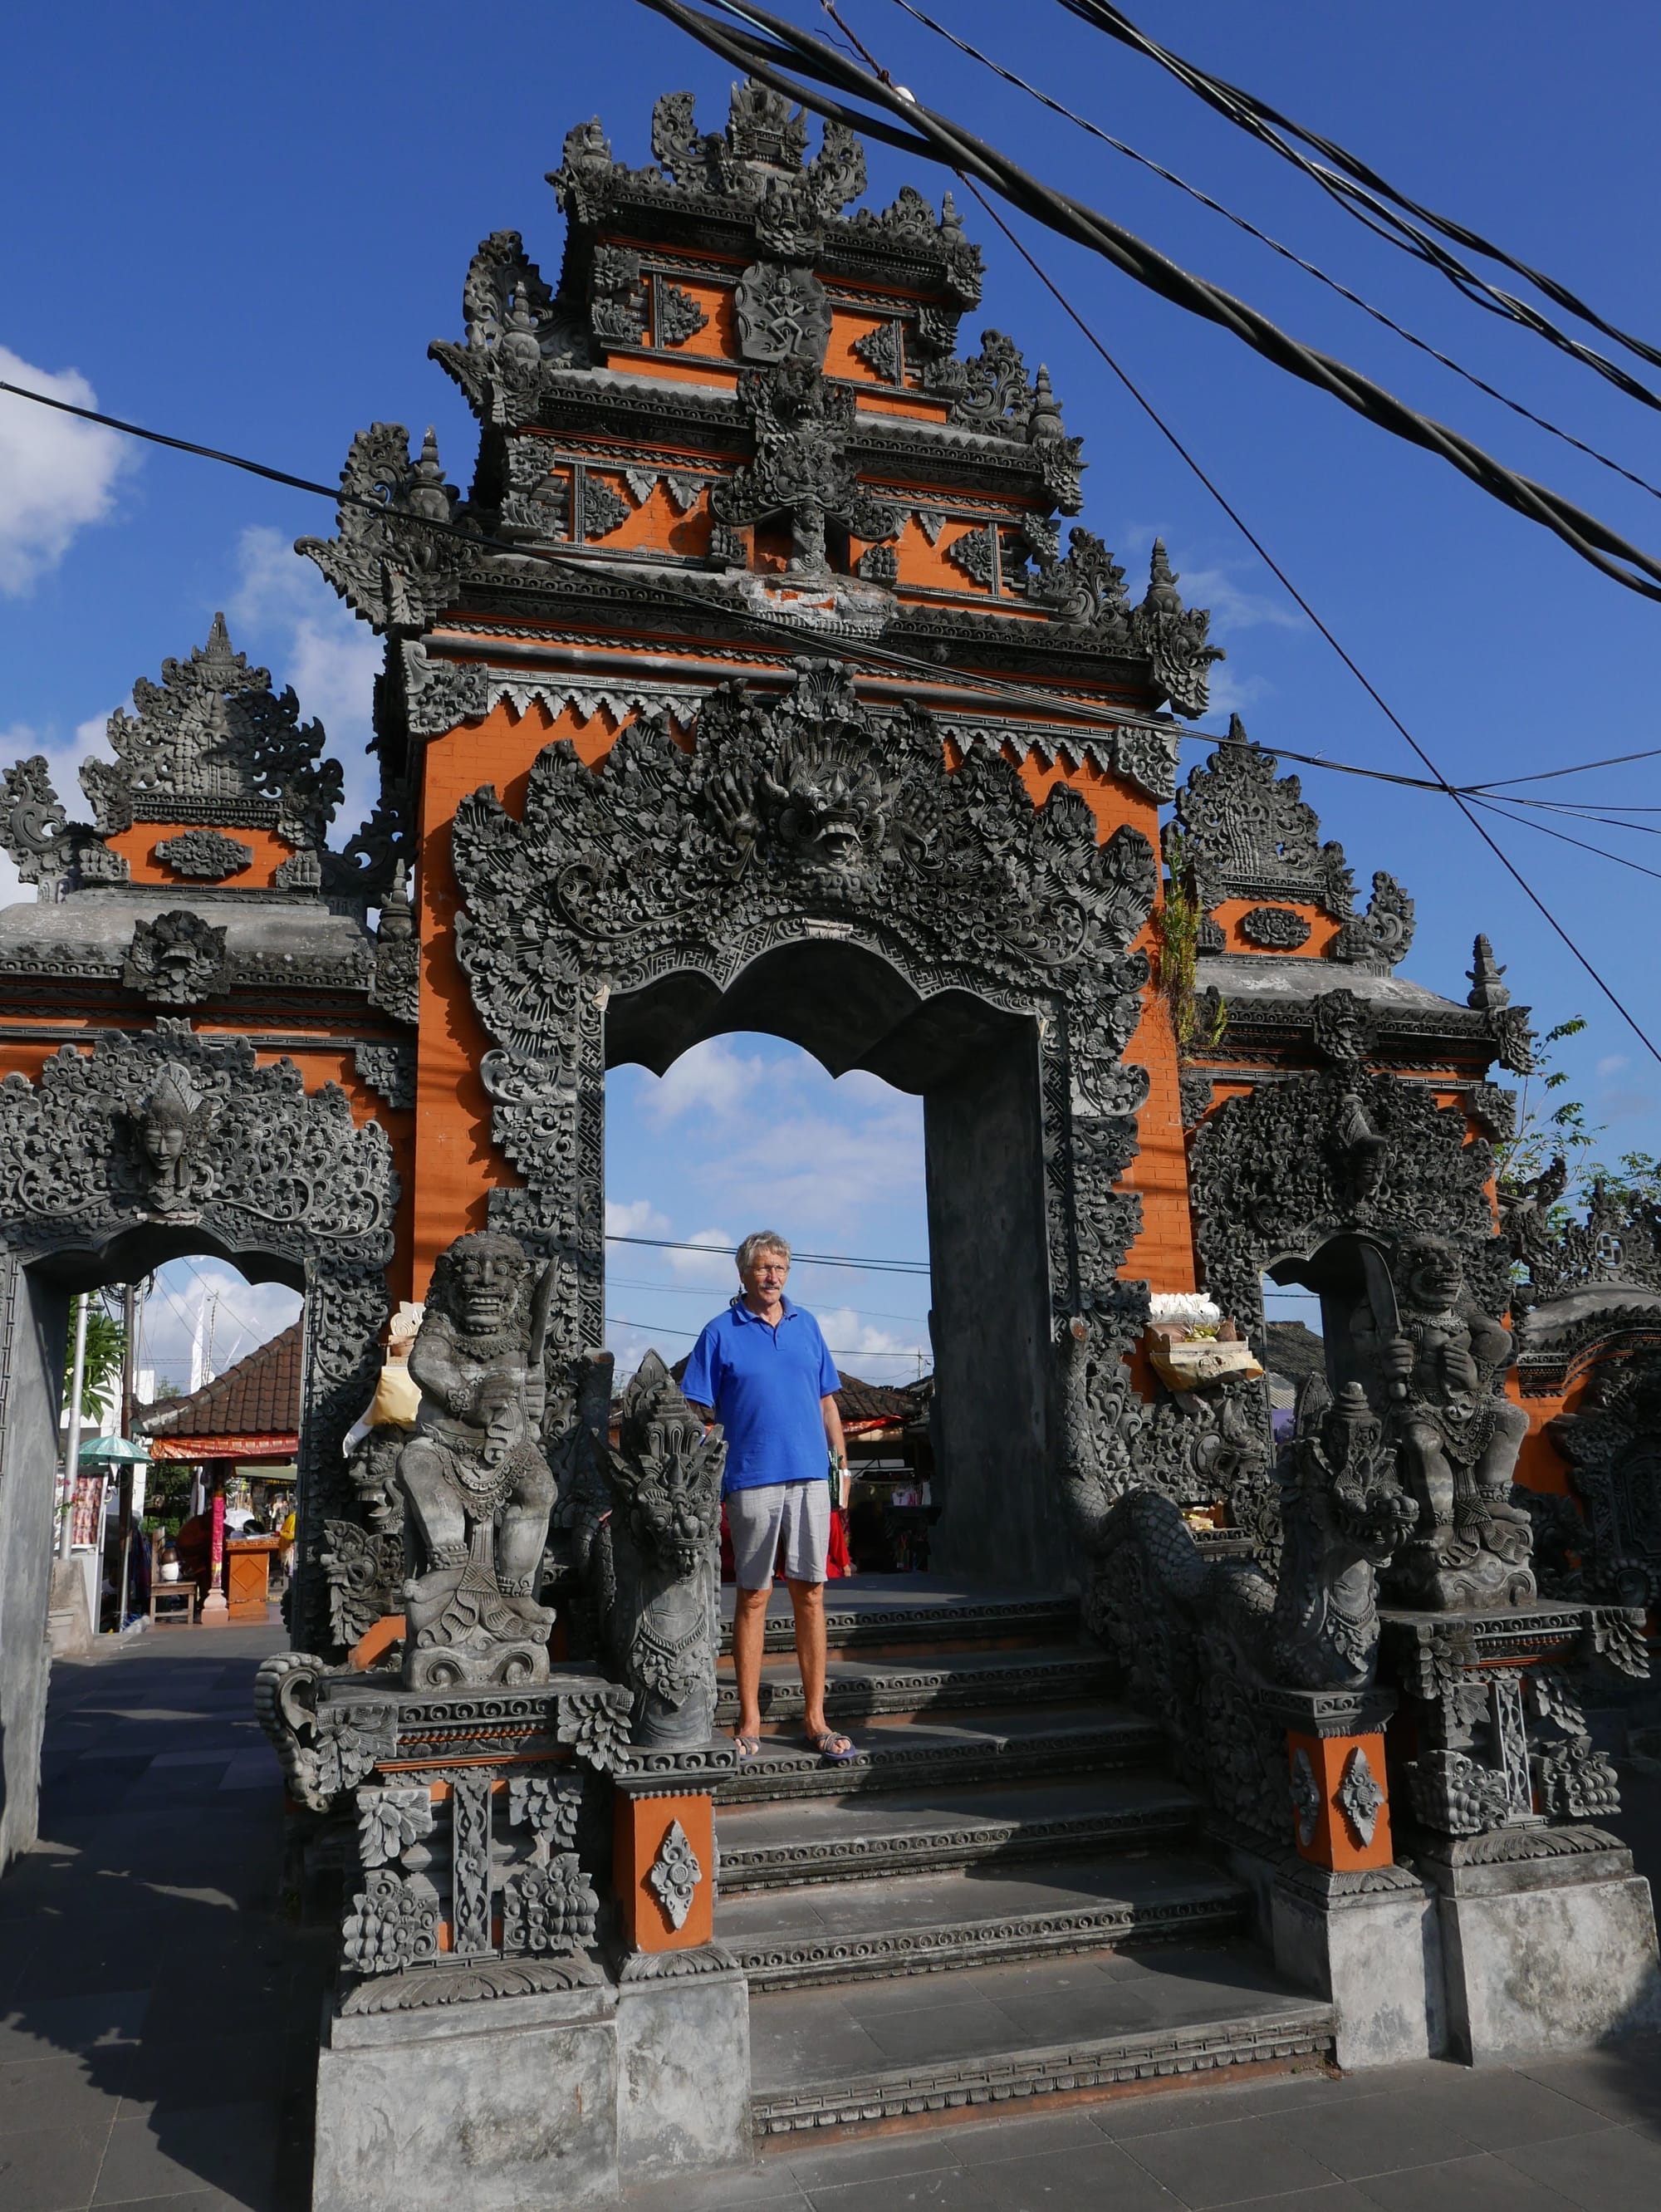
(797, 1513)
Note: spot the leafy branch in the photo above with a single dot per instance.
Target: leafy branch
(1196, 1022)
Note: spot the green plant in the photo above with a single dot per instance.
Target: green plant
(107, 1348)
(1195, 1021)
(1547, 1130)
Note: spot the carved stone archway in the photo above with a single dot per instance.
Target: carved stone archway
(810, 865)
(149, 1145)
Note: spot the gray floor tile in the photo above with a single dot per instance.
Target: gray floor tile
(828, 2163)
(942, 2032)
(1624, 2083)
(949, 2189)
(825, 2046)
(1615, 2171)
(230, 2148)
(68, 2091)
(1463, 2184)
(46, 2026)
(1500, 2109)
(50, 2169)
(763, 2187)
(1374, 2135)
(1048, 2181)
(1206, 2167)
(1126, 2119)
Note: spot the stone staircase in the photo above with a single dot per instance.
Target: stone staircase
(1004, 1895)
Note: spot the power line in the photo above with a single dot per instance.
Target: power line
(993, 164)
(702, 1290)
(1274, 246)
(798, 632)
(923, 131)
(804, 1259)
(836, 1351)
(1364, 194)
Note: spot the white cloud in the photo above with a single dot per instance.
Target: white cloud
(245, 1315)
(634, 1217)
(1612, 1063)
(713, 1080)
(696, 1266)
(283, 613)
(58, 475)
(1232, 606)
(849, 1337)
(1232, 694)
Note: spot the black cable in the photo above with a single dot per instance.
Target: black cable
(1527, 822)
(1366, 195)
(806, 1259)
(342, 496)
(1285, 253)
(936, 137)
(1017, 186)
(909, 663)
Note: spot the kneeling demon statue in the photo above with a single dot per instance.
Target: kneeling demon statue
(646, 1529)
(478, 1487)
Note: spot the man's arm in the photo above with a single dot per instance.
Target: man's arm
(833, 1438)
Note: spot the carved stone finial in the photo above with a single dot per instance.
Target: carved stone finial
(1486, 991)
(1163, 597)
(1045, 422)
(382, 564)
(1173, 637)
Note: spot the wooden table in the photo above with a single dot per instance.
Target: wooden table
(247, 1574)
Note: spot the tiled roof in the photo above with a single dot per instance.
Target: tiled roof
(257, 1397)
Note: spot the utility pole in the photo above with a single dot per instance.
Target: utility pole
(72, 1440)
(129, 1376)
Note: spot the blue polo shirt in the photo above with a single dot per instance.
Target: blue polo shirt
(765, 1384)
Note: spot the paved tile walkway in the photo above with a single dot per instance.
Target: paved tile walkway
(158, 2025)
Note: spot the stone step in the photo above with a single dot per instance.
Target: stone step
(998, 1744)
(887, 2051)
(863, 1839)
(883, 1613)
(923, 1923)
(934, 1681)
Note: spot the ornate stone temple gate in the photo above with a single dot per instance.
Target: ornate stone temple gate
(750, 686)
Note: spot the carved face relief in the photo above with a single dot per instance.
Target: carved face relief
(176, 960)
(1433, 1278)
(783, 314)
(489, 1278)
(172, 1131)
(824, 804)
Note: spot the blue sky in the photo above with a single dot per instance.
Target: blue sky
(247, 226)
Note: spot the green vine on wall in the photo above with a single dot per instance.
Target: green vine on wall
(1197, 1022)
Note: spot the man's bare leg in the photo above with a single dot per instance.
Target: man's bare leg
(750, 1628)
(808, 1603)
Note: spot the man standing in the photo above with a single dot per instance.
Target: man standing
(762, 1370)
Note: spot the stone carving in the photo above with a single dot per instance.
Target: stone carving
(383, 563)
(617, 296)
(603, 510)
(675, 315)
(174, 1132)
(782, 314)
(176, 960)
(1287, 1169)
(208, 853)
(1361, 1796)
(213, 744)
(1380, 937)
(1173, 638)
(648, 1544)
(1198, 1087)
(1086, 590)
(478, 1487)
(38, 837)
(390, 1069)
(1342, 1029)
(1248, 833)
(515, 330)
(1276, 928)
(1612, 1443)
(1617, 1245)
(761, 155)
(1486, 991)
(802, 807)
(396, 985)
(1514, 1040)
(393, 1923)
(1345, 1513)
(390, 1819)
(989, 392)
(802, 425)
(675, 1874)
(1306, 1794)
(884, 351)
(364, 1571)
(1441, 1356)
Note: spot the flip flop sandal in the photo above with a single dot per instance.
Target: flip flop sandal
(747, 1747)
(835, 1750)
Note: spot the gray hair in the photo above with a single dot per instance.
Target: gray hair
(760, 1241)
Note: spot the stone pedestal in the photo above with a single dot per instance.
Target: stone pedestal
(1548, 1942)
(529, 2011)
(1371, 1943)
(1547, 1937)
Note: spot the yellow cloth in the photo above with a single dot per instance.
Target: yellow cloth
(396, 1398)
